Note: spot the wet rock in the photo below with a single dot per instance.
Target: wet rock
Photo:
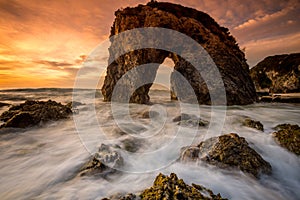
(150, 114)
(253, 124)
(33, 113)
(228, 151)
(288, 136)
(216, 40)
(171, 188)
(131, 144)
(103, 162)
(189, 120)
(277, 74)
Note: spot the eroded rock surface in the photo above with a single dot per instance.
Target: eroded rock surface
(33, 113)
(288, 136)
(277, 74)
(228, 151)
(216, 40)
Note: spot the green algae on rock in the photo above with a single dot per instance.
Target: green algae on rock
(171, 187)
(288, 136)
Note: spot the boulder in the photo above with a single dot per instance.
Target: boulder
(103, 162)
(216, 40)
(277, 74)
(253, 124)
(228, 151)
(288, 136)
(33, 113)
(171, 187)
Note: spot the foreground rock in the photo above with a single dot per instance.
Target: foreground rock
(277, 74)
(170, 187)
(228, 151)
(103, 162)
(253, 124)
(216, 40)
(33, 113)
(189, 120)
(288, 136)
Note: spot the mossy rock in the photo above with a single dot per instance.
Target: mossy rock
(227, 152)
(253, 124)
(170, 188)
(288, 136)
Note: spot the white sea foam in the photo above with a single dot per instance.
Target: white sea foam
(43, 162)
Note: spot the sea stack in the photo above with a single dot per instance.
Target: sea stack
(216, 40)
(277, 74)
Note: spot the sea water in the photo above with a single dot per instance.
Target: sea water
(43, 162)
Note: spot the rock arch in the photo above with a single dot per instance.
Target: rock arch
(216, 40)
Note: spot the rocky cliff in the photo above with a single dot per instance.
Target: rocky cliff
(216, 40)
(277, 74)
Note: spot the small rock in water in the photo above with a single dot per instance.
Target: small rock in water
(189, 120)
(228, 151)
(253, 124)
(132, 144)
(288, 136)
(149, 114)
(33, 113)
(103, 162)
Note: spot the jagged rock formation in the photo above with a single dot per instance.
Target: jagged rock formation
(33, 113)
(216, 40)
(288, 136)
(277, 74)
(170, 187)
(228, 151)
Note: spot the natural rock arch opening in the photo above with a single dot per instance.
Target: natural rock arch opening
(163, 77)
(216, 40)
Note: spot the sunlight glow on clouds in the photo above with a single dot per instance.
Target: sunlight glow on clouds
(43, 43)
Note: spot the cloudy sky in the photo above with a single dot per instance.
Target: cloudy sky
(44, 42)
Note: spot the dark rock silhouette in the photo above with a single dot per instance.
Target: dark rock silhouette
(277, 74)
(288, 136)
(33, 113)
(228, 151)
(216, 40)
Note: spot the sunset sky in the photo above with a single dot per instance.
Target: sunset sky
(43, 43)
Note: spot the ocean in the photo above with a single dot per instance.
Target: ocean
(42, 162)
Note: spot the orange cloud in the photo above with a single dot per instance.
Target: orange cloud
(44, 43)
